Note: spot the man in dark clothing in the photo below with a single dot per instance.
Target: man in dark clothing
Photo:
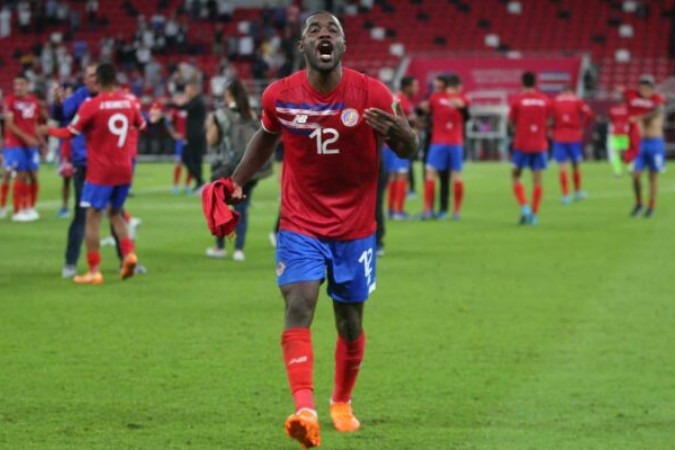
(195, 134)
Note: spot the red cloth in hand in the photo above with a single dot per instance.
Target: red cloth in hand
(222, 221)
(61, 133)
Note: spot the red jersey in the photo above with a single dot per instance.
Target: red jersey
(639, 105)
(618, 116)
(529, 113)
(570, 116)
(25, 111)
(406, 104)
(106, 121)
(133, 131)
(447, 119)
(177, 118)
(329, 181)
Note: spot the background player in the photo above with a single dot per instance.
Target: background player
(529, 116)
(330, 117)
(448, 111)
(646, 110)
(22, 143)
(619, 135)
(570, 117)
(106, 121)
(399, 168)
(176, 126)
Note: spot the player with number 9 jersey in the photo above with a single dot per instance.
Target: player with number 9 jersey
(329, 182)
(107, 121)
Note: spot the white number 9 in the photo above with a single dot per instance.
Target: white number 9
(118, 124)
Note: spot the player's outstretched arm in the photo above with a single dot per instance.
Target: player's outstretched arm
(398, 134)
(257, 153)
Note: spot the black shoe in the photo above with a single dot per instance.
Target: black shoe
(637, 211)
(649, 213)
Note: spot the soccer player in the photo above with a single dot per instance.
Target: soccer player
(106, 121)
(176, 126)
(21, 153)
(619, 135)
(331, 119)
(570, 116)
(399, 168)
(646, 110)
(529, 116)
(448, 112)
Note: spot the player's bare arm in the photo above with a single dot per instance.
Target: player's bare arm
(212, 134)
(395, 129)
(257, 153)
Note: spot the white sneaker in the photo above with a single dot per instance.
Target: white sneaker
(3, 213)
(215, 252)
(20, 216)
(273, 239)
(32, 215)
(108, 242)
(68, 271)
(238, 256)
(134, 223)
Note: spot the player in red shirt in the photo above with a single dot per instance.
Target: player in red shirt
(399, 168)
(331, 119)
(646, 109)
(176, 118)
(529, 116)
(106, 120)
(448, 111)
(21, 152)
(570, 117)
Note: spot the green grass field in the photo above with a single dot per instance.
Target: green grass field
(481, 335)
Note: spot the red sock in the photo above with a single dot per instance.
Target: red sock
(4, 190)
(458, 194)
(429, 192)
(564, 182)
(537, 192)
(34, 189)
(391, 195)
(401, 193)
(126, 215)
(94, 260)
(188, 179)
(519, 192)
(126, 246)
(17, 193)
(299, 360)
(576, 177)
(176, 174)
(25, 197)
(348, 357)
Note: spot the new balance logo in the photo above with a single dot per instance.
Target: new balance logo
(300, 360)
(300, 118)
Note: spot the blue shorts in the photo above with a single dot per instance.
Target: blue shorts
(652, 155)
(567, 151)
(178, 147)
(524, 160)
(393, 163)
(99, 197)
(348, 265)
(446, 157)
(21, 159)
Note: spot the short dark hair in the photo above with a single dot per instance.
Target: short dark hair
(454, 81)
(406, 82)
(444, 79)
(21, 76)
(315, 13)
(106, 75)
(529, 79)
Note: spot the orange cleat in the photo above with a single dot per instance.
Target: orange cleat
(343, 417)
(303, 426)
(128, 266)
(89, 278)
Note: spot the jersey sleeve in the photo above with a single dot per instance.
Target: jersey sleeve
(659, 100)
(139, 120)
(81, 119)
(380, 96)
(7, 108)
(269, 120)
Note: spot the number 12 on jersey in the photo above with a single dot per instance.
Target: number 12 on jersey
(325, 137)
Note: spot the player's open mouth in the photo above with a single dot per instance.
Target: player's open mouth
(325, 51)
